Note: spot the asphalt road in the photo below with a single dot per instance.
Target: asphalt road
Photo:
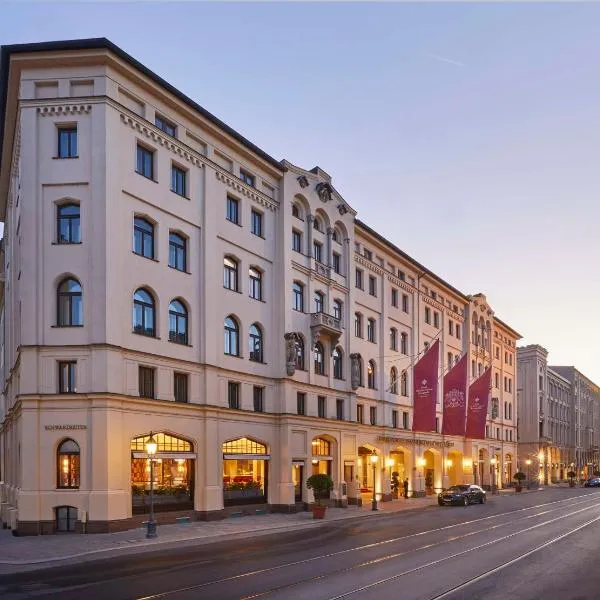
(524, 547)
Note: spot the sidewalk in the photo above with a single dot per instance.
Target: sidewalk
(35, 552)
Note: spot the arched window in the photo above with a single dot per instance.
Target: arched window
(321, 447)
(143, 237)
(371, 374)
(394, 338)
(178, 322)
(255, 343)
(232, 338)
(68, 224)
(404, 343)
(69, 303)
(296, 211)
(255, 283)
(177, 251)
(404, 384)
(338, 365)
(319, 359)
(298, 296)
(394, 380)
(300, 353)
(144, 319)
(67, 464)
(318, 226)
(230, 273)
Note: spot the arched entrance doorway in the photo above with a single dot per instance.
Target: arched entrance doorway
(454, 467)
(322, 457)
(429, 472)
(173, 485)
(508, 470)
(479, 472)
(245, 472)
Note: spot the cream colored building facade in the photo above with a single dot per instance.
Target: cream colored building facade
(164, 275)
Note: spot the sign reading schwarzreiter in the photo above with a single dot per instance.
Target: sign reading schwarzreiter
(55, 427)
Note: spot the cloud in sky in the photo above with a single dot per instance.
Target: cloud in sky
(446, 60)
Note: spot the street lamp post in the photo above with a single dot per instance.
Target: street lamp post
(528, 463)
(374, 458)
(493, 462)
(151, 447)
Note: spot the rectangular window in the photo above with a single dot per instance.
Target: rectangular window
(458, 331)
(405, 303)
(178, 180)
(401, 275)
(450, 360)
(367, 254)
(166, 126)
(395, 419)
(428, 315)
(510, 386)
(322, 406)
(360, 413)
(358, 325)
(146, 382)
(256, 223)
(337, 263)
(339, 409)
(450, 327)
(395, 297)
(296, 241)
(301, 403)
(145, 162)
(359, 279)
(436, 319)
(371, 330)
(258, 397)
(66, 377)
(373, 415)
(233, 394)
(180, 387)
(67, 142)
(233, 210)
(247, 178)
(405, 420)
(318, 251)
(177, 251)
(372, 286)
(437, 424)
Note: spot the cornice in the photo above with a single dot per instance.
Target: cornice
(401, 284)
(57, 110)
(246, 190)
(367, 263)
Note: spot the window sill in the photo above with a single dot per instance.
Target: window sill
(262, 237)
(66, 326)
(259, 362)
(66, 243)
(64, 157)
(233, 355)
(146, 177)
(152, 337)
(181, 344)
(233, 222)
(257, 299)
(65, 489)
(184, 196)
(231, 290)
(146, 257)
(174, 268)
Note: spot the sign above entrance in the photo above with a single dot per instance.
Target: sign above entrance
(55, 427)
(415, 441)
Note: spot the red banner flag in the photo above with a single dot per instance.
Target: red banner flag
(455, 398)
(479, 394)
(425, 386)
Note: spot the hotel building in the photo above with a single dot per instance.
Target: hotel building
(163, 275)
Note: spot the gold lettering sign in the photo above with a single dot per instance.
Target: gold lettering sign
(415, 441)
(59, 427)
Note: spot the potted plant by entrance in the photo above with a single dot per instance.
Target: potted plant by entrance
(395, 484)
(571, 475)
(518, 477)
(321, 484)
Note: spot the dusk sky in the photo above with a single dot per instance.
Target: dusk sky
(468, 135)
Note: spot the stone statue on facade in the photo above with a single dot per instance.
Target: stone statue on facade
(325, 192)
(303, 181)
(291, 351)
(355, 371)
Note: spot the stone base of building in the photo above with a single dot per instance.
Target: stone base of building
(418, 494)
(386, 497)
(355, 501)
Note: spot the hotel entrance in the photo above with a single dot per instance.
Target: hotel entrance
(245, 472)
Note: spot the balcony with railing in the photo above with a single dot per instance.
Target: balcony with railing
(325, 325)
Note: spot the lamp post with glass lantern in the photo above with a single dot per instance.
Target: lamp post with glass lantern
(528, 463)
(374, 458)
(151, 447)
(493, 462)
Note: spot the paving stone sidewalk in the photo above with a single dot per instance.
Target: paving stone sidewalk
(34, 552)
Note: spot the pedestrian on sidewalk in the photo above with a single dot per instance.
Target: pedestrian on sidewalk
(405, 484)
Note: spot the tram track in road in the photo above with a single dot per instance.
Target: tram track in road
(510, 515)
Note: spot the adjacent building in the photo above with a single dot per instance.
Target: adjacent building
(164, 276)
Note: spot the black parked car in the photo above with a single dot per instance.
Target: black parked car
(462, 494)
(592, 482)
